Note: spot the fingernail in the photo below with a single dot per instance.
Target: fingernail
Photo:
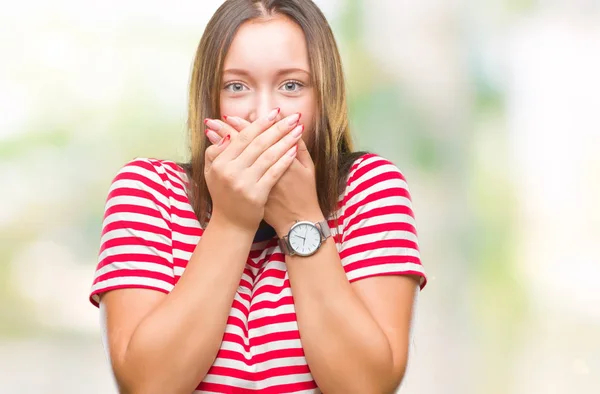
(297, 132)
(273, 114)
(212, 136)
(293, 119)
(292, 151)
(232, 120)
(224, 140)
(213, 124)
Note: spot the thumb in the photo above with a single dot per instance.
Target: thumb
(213, 151)
(303, 155)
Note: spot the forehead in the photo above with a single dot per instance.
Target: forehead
(261, 44)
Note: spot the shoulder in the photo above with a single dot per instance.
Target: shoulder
(157, 174)
(148, 182)
(373, 170)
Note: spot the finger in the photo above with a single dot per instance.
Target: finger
(244, 138)
(236, 122)
(274, 173)
(304, 155)
(275, 152)
(267, 139)
(212, 136)
(220, 127)
(213, 151)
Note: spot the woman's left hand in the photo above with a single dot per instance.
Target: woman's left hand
(294, 197)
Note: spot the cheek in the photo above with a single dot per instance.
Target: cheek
(235, 107)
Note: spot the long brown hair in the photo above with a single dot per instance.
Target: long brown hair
(331, 147)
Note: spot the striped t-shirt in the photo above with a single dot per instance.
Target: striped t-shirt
(150, 231)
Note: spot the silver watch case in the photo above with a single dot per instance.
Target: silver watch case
(322, 227)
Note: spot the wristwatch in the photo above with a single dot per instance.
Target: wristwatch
(304, 238)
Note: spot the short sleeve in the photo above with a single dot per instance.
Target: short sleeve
(379, 234)
(135, 246)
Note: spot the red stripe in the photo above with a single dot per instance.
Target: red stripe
(139, 226)
(280, 389)
(186, 230)
(258, 376)
(374, 197)
(271, 289)
(122, 286)
(374, 215)
(135, 241)
(272, 304)
(125, 273)
(378, 245)
(381, 261)
(133, 208)
(261, 358)
(268, 320)
(395, 273)
(133, 257)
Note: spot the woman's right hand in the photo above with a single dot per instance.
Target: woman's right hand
(241, 170)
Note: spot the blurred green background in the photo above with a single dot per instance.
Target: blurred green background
(489, 107)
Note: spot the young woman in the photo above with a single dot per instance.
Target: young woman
(278, 260)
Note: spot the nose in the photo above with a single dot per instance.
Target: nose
(264, 103)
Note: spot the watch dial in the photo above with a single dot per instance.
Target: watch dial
(305, 239)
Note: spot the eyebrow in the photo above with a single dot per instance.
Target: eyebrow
(283, 71)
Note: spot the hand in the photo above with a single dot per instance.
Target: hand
(294, 196)
(243, 168)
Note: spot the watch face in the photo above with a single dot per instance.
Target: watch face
(305, 239)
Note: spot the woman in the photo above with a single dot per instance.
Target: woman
(198, 263)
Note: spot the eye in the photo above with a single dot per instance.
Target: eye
(235, 87)
(292, 86)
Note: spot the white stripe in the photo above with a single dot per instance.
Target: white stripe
(132, 281)
(190, 240)
(389, 201)
(273, 297)
(137, 249)
(393, 253)
(379, 236)
(183, 255)
(135, 265)
(260, 367)
(383, 167)
(259, 384)
(273, 328)
(135, 217)
(189, 223)
(140, 185)
(383, 269)
(270, 312)
(261, 349)
(127, 232)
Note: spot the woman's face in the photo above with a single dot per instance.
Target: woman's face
(267, 67)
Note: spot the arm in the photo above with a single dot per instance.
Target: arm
(355, 336)
(354, 307)
(162, 343)
(167, 343)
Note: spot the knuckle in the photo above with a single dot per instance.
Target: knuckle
(244, 138)
(230, 175)
(269, 157)
(261, 144)
(283, 126)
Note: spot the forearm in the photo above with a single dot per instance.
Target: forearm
(345, 348)
(176, 344)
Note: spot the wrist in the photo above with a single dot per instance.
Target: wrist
(217, 219)
(284, 228)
